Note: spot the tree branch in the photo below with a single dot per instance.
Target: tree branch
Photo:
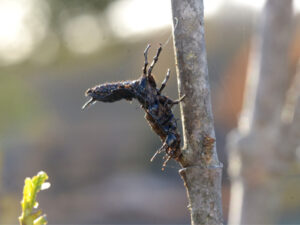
(258, 150)
(272, 63)
(201, 168)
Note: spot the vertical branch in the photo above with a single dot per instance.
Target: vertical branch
(201, 168)
(258, 162)
(275, 33)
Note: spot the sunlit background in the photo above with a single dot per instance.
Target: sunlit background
(45, 27)
(51, 51)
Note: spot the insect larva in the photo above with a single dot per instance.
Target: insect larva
(157, 106)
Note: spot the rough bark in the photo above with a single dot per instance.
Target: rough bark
(262, 162)
(201, 170)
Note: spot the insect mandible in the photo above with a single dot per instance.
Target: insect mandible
(158, 107)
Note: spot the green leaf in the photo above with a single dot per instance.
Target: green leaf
(30, 216)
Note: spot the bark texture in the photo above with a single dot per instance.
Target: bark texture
(262, 159)
(201, 170)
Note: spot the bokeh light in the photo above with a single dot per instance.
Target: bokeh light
(137, 17)
(23, 25)
(132, 17)
(254, 4)
(83, 34)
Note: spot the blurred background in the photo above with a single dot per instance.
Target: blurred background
(51, 51)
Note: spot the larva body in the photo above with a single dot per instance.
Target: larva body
(158, 107)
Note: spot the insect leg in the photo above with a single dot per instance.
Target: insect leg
(164, 82)
(146, 60)
(154, 60)
(163, 147)
(167, 157)
(178, 100)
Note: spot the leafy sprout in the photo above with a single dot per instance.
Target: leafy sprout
(30, 215)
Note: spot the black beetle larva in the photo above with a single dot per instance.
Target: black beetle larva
(157, 106)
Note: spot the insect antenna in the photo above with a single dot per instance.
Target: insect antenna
(146, 59)
(154, 60)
